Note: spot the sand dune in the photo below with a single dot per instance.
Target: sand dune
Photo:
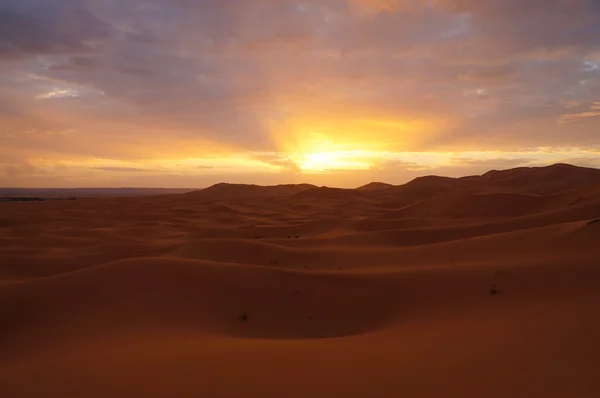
(324, 193)
(236, 192)
(542, 180)
(469, 205)
(304, 291)
(375, 186)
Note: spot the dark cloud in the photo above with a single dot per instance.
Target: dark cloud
(516, 26)
(41, 27)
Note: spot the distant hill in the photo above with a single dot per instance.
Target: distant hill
(419, 189)
(540, 180)
(554, 179)
(506, 193)
(235, 192)
(374, 186)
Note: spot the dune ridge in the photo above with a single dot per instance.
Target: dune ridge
(457, 287)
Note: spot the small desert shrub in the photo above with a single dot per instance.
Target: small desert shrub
(494, 290)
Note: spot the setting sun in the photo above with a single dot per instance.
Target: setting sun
(327, 161)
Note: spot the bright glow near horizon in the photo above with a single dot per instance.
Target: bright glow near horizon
(341, 167)
(329, 161)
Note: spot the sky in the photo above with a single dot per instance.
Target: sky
(188, 93)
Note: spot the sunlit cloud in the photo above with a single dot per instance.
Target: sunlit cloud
(122, 169)
(59, 93)
(578, 116)
(594, 111)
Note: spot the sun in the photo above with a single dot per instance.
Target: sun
(318, 161)
(321, 162)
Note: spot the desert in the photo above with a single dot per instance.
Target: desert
(482, 286)
(299, 198)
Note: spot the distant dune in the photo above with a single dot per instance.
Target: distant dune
(541, 180)
(230, 192)
(481, 286)
(375, 186)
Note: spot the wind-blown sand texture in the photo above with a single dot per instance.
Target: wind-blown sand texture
(376, 292)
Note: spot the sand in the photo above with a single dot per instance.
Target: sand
(303, 291)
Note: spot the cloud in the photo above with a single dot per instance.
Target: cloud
(396, 164)
(122, 169)
(487, 164)
(145, 80)
(277, 159)
(578, 116)
(17, 169)
(583, 162)
(40, 27)
(59, 93)
(594, 111)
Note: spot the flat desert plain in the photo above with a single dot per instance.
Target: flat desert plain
(483, 286)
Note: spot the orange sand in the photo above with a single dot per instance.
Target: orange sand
(385, 292)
